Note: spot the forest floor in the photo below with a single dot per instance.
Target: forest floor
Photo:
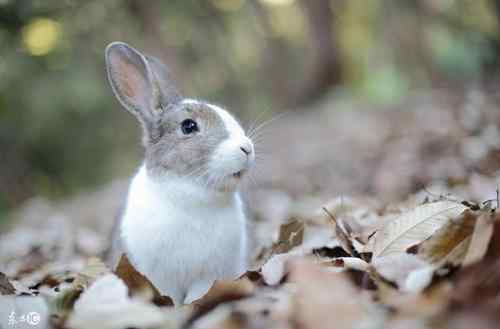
(360, 218)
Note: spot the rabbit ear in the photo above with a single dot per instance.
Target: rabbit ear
(139, 84)
(164, 83)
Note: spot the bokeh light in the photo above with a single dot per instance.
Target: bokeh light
(278, 2)
(41, 36)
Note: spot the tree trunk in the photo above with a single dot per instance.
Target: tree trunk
(325, 71)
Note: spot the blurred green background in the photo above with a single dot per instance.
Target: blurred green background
(62, 131)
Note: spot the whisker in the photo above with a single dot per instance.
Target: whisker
(193, 173)
(256, 120)
(252, 179)
(266, 123)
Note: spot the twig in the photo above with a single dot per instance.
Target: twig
(440, 196)
(332, 217)
(498, 198)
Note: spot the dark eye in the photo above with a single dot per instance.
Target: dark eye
(189, 126)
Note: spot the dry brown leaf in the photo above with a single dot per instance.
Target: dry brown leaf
(266, 309)
(480, 240)
(414, 227)
(358, 216)
(94, 269)
(291, 235)
(342, 235)
(6, 288)
(494, 246)
(106, 304)
(477, 287)
(424, 305)
(222, 292)
(138, 284)
(64, 301)
(274, 268)
(326, 300)
(225, 290)
(449, 244)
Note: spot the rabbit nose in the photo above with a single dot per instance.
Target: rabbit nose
(247, 150)
(246, 147)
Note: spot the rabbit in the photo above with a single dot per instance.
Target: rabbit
(183, 225)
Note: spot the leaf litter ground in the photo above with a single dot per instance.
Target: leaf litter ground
(394, 256)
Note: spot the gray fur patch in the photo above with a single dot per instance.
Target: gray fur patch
(185, 155)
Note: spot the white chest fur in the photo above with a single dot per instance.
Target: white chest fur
(183, 237)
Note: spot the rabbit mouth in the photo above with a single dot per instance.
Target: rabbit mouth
(238, 174)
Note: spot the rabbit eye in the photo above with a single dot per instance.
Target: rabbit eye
(189, 126)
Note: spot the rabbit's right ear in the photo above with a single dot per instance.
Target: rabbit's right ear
(137, 85)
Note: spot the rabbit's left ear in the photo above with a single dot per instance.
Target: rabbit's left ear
(141, 84)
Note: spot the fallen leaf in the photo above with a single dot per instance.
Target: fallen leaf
(413, 227)
(420, 306)
(477, 285)
(6, 288)
(64, 300)
(342, 234)
(351, 263)
(106, 305)
(410, 273)
(266, 309)
(291, 235)
(227, 290)
(358, 217)
(138, 284)
(222, 292)
(418, 279)
(476, 288)
(94, 269)
(275, 268)
(493, 252)
(480, 240)
(449, 244)
(327, 300)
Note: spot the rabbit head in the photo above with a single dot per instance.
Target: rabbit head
(187, 138)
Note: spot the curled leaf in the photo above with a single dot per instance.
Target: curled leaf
(480, 240)
(352, 263)
(449, 244)
(414, 227)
